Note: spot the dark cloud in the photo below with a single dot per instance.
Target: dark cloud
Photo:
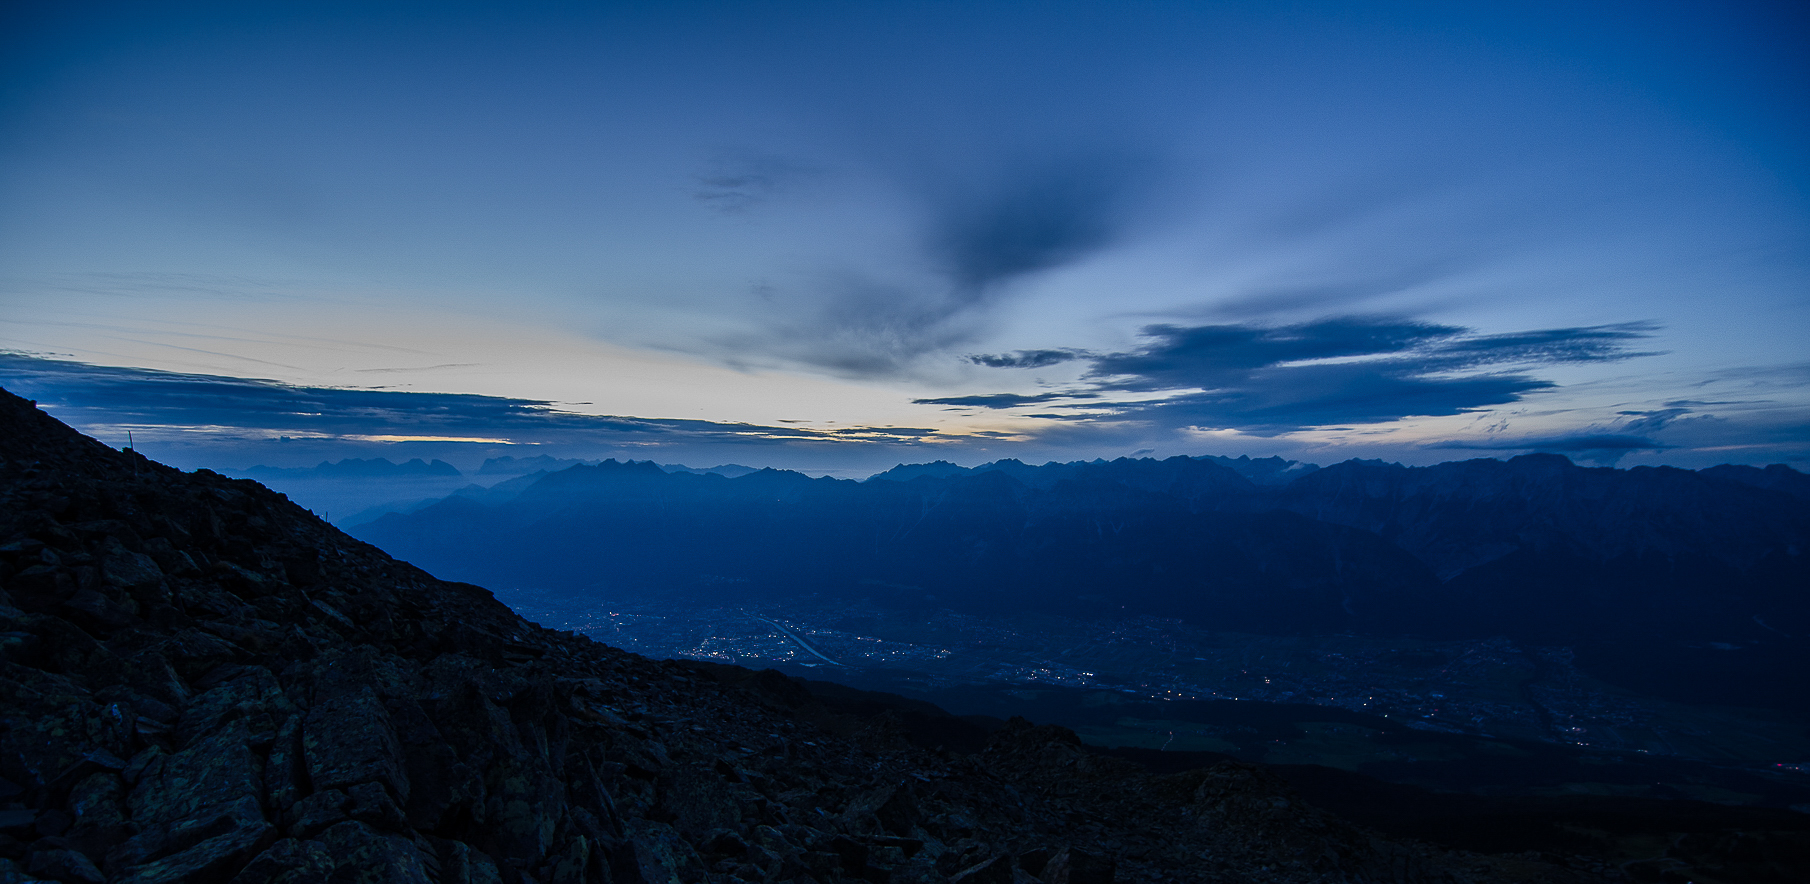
(1340, 371)
(1030, 220)
(1027, 358)
(1602, 343)
(739, 182)
(733, 193)
(981, 233)
(91, 395)
(1214, 356)
(1003, 400)
(1286, 399)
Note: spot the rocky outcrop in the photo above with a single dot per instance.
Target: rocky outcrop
(202, 682)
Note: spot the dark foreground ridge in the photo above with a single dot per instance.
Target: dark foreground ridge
(203, 682)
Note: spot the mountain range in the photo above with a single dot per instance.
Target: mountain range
(202, 682)
(1652, 572)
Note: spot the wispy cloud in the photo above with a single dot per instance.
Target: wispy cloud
(739, 182)
(86, 395)
(1004, 400)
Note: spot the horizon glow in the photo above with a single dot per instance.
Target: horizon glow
(837, 238)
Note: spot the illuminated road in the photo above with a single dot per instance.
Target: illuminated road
(799, 639)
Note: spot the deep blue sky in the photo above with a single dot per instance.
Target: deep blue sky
(839, 235)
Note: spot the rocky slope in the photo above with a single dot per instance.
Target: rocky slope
(202, 682)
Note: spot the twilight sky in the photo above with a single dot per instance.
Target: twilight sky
(839, 236)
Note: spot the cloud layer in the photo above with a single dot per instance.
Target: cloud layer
(1254, 380)
(95, 396)
(1353, 370)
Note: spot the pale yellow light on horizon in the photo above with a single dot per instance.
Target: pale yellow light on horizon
(353, 344)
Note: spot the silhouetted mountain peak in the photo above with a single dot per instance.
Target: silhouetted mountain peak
(1264, 470)
(1777, 477)
(726, 470)
(906, 472)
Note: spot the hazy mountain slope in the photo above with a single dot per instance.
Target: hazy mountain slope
(1776, 477)
(1539, 546)
(1534, 546)
(984, 539)
(1459, 515)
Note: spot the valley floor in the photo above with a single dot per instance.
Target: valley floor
(1464, 698)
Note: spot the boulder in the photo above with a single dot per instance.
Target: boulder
(241, 835)
(347, 740)
(130, 570)
(209, 776)
(198, 810)
(285, 771)
(10, 873)
(99, 807)
(460, 863)
(661, 856)
(288, 861)
(315, 813)
(361, 855)
(371, 804)
(67, 866)
(247, 693)
(995, 870)
(1074, 866)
